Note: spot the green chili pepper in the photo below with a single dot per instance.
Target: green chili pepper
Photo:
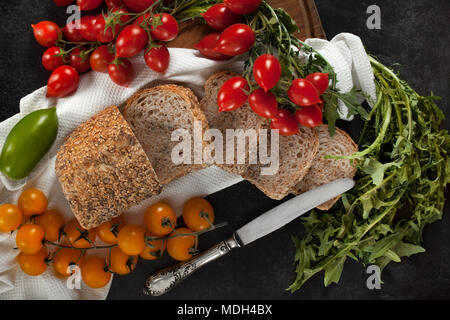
(28, 142)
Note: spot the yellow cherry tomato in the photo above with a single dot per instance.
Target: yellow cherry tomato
(10, 217)
(131, 239)
(33, 264)
(153, 249)
(72, 231)
(29, 238)
(65, 258)
(104, 230)
(94, 272)
(181, 248)
(52, 222)
(198, 214)
(160, 219)
(32, 202)
(122, 263)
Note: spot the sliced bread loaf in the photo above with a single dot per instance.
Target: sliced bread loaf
(103, 169)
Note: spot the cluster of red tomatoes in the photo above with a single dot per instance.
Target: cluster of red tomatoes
(104, 42)
(39, 228)
(304, 93)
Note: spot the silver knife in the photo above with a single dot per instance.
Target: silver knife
(164, 280)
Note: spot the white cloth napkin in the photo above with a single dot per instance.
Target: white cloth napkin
(96, 91)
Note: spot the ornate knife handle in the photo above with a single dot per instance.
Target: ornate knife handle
(164, 280)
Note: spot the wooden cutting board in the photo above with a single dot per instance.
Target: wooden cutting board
(304, 12)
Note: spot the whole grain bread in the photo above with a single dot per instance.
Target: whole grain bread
(325, 170)
(103, 170)
(154, 114)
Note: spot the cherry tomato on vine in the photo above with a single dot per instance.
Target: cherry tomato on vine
(160, 219)
(167, 30)
(309, 117)
(263, 103)
(122, 263)
(72, 34)
(101, 58)
(62, 82)
(219, 17)
(320, 81)
(32, 202)
(231, 95)
(46, 33)
(181, 248)
(10, 217)
(131, 40)
(141, 19)
(52, 222)
(105, 34)
(29, 238)
(153, 249)
(87, 5)
(284, 122)
(122, 72)
(65, 258)
(62, 3)
(33, 264)
(303, 93)
(87, 28)
(51, 58)
(242, 6)
(131, 239)
(138, 5)
(208, 47)
(111, 4)
(236, 39)
(79, 59)
(157, 59)
(94, 272)
(267, 71)
(198, 214)
(77, 236)
(124, 17)
(107, 232)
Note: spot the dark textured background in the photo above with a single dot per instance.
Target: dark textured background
(414, 34)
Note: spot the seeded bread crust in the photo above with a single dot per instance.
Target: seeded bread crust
(103, 169)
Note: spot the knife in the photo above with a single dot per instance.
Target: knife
(164, 280)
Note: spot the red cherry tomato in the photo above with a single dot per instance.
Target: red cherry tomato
(62, 82)
(87, 5)
(101, 58)
(131, 40)
(320, 81)
(220, 17)
(231, 95)
(242, 6)
(167, 30)
(51, 60)
(236, 39)
(124, 17)
(46, 33)
(267, 71)
(111, 4)
(208, 47)
(263, 103)
(138, 5)
(105, 34)
(303, 93)
(284, 122)
(87, 28)
(122, 72)
(79, 60)
(72, 34)
(62, 3)
(141, 19)
(158, 59)
(309, 117)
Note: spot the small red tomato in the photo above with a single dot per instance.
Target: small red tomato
(303, 93)
(131, 40)
(72, 34)
(284, 122)
(263, 103)
(52, 59)
(167, 30)
(158, 59)
(101, 58)
(121, 73)
(105, 34)
(208, 47)
(111, 4)
(62, 82)
(123, 17)
(242, 6)
(236, 39)
(87, 5)
(320, 81)
(87, 28)
(46, 33)
(138, 5)
(79, 60)
(231, 95)
(309, 117)
(141, 19)
(62, 3)
(267, 71)
(220, 17)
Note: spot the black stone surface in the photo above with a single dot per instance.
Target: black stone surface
(414, 34)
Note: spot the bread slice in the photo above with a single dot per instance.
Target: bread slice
(324, 170)
(103, 170)
(296, 154)
(154, 114)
